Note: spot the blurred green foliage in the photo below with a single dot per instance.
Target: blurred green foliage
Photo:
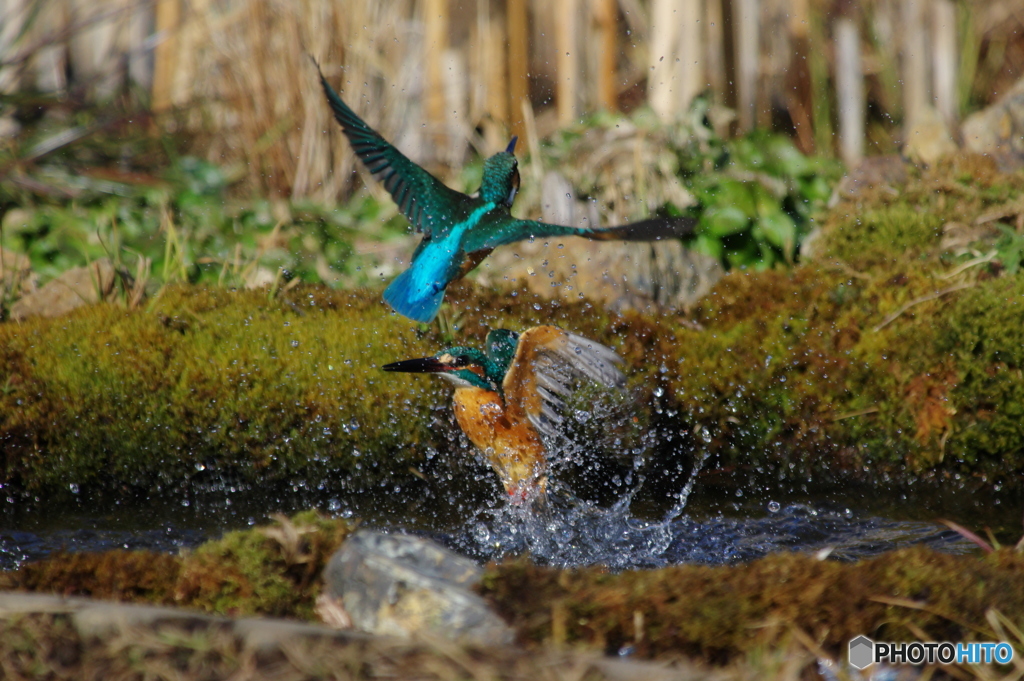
(753, 196)
(187, 228)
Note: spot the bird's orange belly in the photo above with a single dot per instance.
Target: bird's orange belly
(514, 450)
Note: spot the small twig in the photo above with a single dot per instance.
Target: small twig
(862, 412)
(923, 606)
(916, 301)
(845, 268)
(970, 263)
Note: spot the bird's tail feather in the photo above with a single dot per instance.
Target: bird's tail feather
(653, 229)
(413, 301)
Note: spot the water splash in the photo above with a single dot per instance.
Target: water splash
(571, 532)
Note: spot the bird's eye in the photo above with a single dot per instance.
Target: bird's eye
(515, 188)
(460, 361)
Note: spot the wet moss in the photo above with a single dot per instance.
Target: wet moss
(721, 613)
(273, 570)
(881, 359)
(269, 571)
(237, 382)
(138, 576)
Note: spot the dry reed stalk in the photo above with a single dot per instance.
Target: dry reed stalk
(664, 40)
(14, 15)
(605, 16)
(798, 76)
(518, 63)
(914, 61)
(50, 59)
(746, 23)
(168, 18)
(568, 67)
(945, 55)
(252, 97)
(435, 44)
(92, 49)
(676, 59)
(849, 90)
(493, 111)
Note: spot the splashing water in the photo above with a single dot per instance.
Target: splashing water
(571, 532)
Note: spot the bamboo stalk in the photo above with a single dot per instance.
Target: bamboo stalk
(518, 64)
(849, 90)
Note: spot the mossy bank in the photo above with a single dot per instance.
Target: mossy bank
(785, 606)
(895, 354)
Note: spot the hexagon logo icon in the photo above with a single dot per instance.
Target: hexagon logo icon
(862, 652)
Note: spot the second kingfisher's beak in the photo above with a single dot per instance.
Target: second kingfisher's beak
(422, 365)
(512, 145)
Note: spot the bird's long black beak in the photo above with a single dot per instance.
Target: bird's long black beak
(512, 145)
(422, 365)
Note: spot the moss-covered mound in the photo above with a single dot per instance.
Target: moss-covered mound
(271, 570)
(897, 353)
(719, 613)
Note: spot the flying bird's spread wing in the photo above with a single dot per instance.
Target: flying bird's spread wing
(547, 360)
(423, 199)
(652, 229)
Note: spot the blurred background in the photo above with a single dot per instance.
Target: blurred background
(446, 79)
(189, 140)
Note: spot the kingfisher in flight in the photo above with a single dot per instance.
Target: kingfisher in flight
(459, 231)
(508, 397)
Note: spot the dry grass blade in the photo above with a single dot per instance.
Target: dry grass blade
(968, 535)
(917, 301)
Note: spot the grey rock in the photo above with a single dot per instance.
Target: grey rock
(999, 129)
(400, 585)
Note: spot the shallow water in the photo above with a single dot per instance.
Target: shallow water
(708, 526)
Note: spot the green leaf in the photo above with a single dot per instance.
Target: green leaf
(719, 221)
(708, 246)
(785, 159)
(814, 188)
(779, 230)
(729, 192)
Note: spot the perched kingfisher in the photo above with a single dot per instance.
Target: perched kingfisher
(459, 231)
(507, 398)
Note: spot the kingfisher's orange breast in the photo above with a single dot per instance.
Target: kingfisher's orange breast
(514, 449)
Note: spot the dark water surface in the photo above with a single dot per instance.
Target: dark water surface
(709, 526)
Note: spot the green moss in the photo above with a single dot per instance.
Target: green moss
(719, 613)
(984, 339)
(207, 379)
(865, 363)
(140, 576)
(271, 570)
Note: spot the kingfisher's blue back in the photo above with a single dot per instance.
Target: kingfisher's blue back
(458, 230)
